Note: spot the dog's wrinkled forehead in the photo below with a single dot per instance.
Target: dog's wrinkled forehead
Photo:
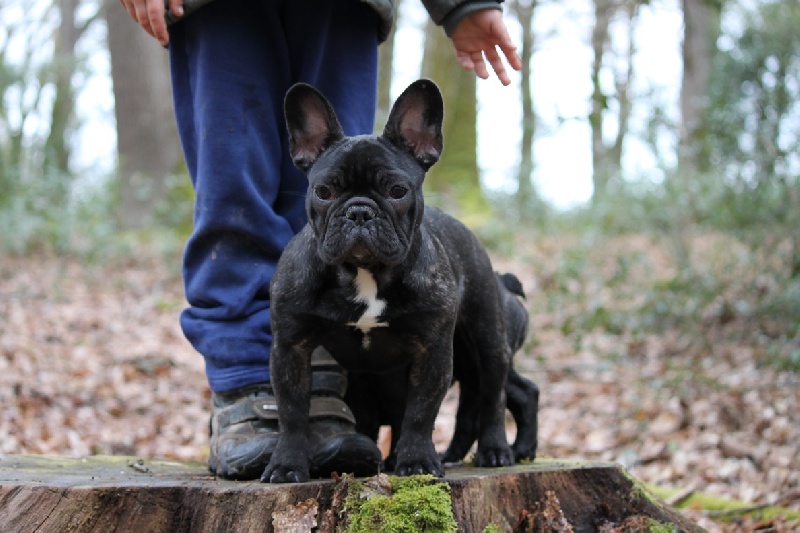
(358, 160)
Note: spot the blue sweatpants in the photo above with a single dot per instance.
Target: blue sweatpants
(232, 62)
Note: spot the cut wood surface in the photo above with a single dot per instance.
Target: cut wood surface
(127, 494)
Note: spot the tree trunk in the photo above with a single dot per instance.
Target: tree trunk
(456, 176)
(527, 198)
(147, 140)
(603, 9)
(57, 151)
(623, 81)
(701, 26)
(124, 494)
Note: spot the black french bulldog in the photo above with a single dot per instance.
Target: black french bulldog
(395, 292)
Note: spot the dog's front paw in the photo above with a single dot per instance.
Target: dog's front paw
(278, 471)
(524, 452)
(494, 456)
(419, 464)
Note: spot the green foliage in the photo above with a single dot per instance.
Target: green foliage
(685, 278)
(36, 212)
(725, 508)
(417, 503)
(175, 210)
(753, 119)
(753, 112)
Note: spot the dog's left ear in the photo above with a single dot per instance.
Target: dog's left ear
(415, 122)
(312, 124)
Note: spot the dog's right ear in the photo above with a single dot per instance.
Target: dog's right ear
(312, 124)
(415, 122)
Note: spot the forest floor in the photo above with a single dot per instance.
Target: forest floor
(689, 380)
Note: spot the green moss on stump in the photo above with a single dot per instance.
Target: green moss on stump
(654, 526)
(416, 503)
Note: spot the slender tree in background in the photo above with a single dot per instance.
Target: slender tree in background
(607, 158)
(623, 76)
(36, 74)
(527, 198)
(15, 113)
(456, 177)
(38, 87)
(603, 9)
(701, 27)
(57, 147)
(147, 140)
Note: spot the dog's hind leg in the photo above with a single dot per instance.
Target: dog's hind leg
(522, 399)
(522, 395)
(466, 426)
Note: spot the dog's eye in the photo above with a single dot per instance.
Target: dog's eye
(323, 192)
(397, 192)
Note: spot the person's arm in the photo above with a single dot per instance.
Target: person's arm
(476, 30)
(150, 15)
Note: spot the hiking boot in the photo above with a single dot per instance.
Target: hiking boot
(244, 431)
(244, 428)
(335, 446)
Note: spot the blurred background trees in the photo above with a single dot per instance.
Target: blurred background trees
(716, 147)
(641, 176)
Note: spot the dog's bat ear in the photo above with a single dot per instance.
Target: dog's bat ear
(415, 122)
(312, 124)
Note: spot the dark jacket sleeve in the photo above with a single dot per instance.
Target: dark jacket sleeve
(448, 13)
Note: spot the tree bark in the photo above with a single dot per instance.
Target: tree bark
(57, 151)
(701, 26)
(603, 9)
(147, 140)
(623, 81)
(527, 198)
(123, 494)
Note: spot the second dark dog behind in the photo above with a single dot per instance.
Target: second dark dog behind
(375, 405)
(403, 297)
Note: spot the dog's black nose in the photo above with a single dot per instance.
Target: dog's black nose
(360, 213)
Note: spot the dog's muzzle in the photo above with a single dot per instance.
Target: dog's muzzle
(360, 213)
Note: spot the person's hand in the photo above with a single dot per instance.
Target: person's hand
(150, 16)
(478, 35)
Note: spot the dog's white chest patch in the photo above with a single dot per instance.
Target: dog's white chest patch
(367, 293)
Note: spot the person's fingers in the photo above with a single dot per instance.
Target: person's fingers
(176, 7)
(497, 65)
(465, 61)
(480, 66)
(477, 39)
(512, 57)
(140, 16)
(158, 25)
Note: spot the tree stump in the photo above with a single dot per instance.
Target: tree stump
(125, 494)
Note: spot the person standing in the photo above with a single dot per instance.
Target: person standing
(231, 63)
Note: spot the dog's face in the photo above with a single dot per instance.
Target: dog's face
(365, 193)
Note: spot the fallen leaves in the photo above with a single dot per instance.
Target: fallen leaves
(92, 361)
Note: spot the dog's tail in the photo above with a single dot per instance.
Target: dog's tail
(512, 283)
(514, 312)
